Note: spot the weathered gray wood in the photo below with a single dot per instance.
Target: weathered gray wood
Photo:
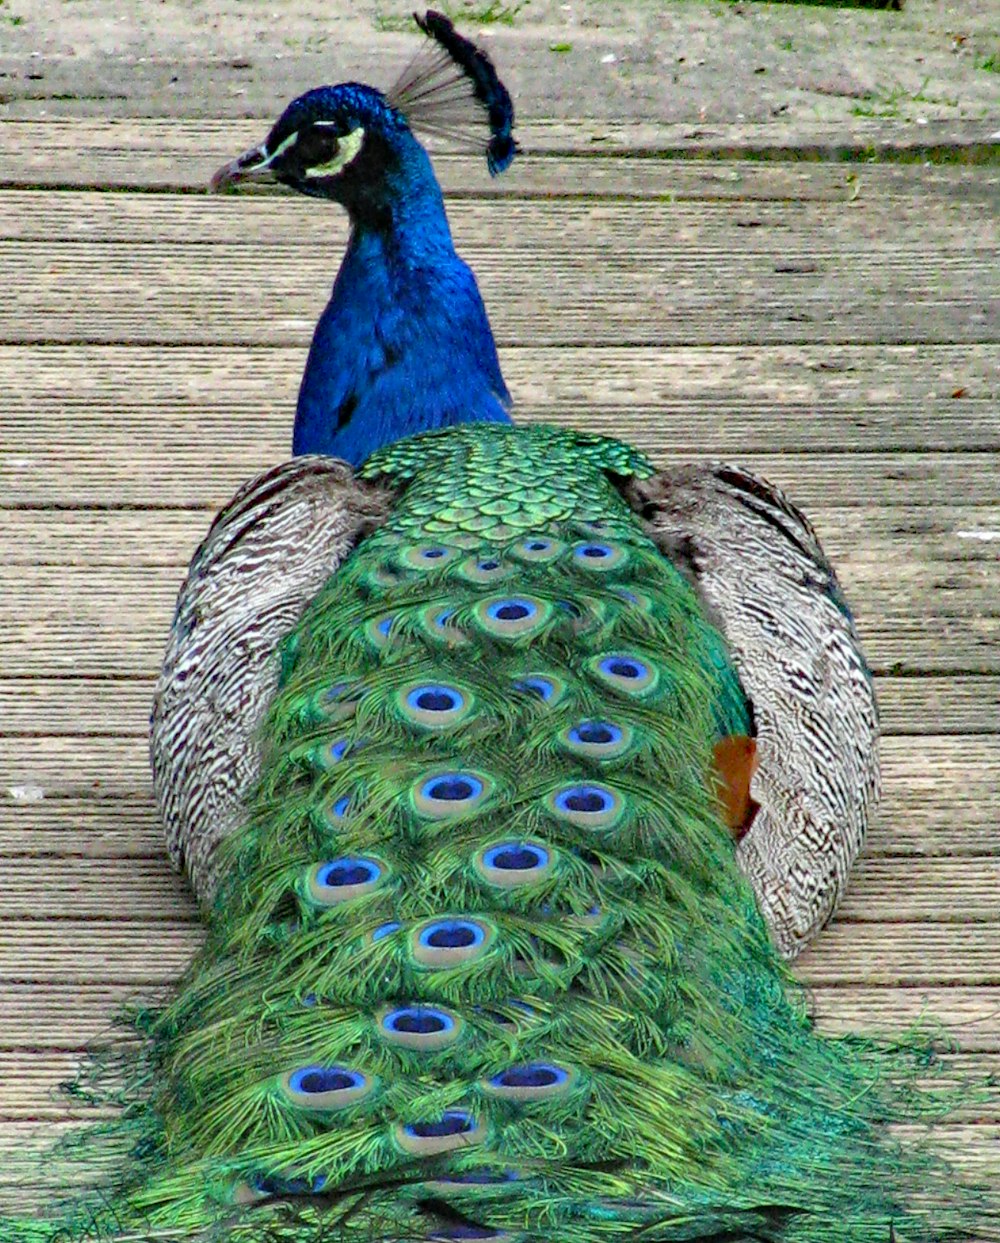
(180, 154)
(154, 952)
(654, 295)
(66, 1017)
(884, 534)
(623, 228)
(934, 810)
(892, 890)
(120, 706)
(934, 618)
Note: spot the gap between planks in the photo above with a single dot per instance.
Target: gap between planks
(119, 706)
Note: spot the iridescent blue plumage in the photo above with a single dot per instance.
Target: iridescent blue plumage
(404, 345)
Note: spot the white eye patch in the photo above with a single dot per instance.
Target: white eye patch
(290, 141)
(350, 145)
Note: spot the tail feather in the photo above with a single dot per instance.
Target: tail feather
(481, 964)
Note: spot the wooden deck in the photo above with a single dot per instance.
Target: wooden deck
(835, 325)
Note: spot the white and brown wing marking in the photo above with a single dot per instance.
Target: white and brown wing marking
(765, 581)
(265, 556)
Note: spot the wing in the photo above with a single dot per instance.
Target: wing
(266, 554)
(765, 581)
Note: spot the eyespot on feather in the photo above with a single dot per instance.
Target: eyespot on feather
(512, 617)
(533, 1081)
(598, 740)
(450, 942)
(434, 705)
(590, 806)
(599, 557)
(538, 549)
(422, 1028)
(450, 793)
(508, 865)
(325, 1087)
(454, 1129)
(625, 672)
(343, 879)
(544, 686)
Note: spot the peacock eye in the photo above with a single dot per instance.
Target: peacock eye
(317, 146)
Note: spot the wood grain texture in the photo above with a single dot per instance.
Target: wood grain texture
(181, 154)
(110, 705)
(114, 453)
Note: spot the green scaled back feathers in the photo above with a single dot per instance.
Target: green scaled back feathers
(483, 966)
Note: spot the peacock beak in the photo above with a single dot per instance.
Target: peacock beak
(252, 165)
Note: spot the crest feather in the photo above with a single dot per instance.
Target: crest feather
(435, 90)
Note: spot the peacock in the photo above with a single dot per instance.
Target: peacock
(508, 771)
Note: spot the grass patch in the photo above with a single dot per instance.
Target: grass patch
(493, 13)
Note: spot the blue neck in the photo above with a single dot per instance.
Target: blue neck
(404, 345)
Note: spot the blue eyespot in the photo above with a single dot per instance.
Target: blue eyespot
(433, 554)
(595, 733)
(492, 564)
(624, 667)
(418, 1020)
(511, 610)
(587, 806)
(385, 625)
(386, 929)
(533, 1075)
(452, 788)
(541, 687)
(312, 1080)
(625, 672)
(348, 871)
(452, 934)
(338, 809)
(325, 1087)
(272, 1185)
(435, 699)
(588, 799)
(515, 857)
(453, 1122)
(337, 750)
(593, 552)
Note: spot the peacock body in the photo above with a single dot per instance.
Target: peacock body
(454, 748)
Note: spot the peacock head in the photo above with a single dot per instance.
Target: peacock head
(355, 144)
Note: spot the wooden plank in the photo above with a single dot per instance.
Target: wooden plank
(788, 229)
(894, 890)
(931, 814)
(199, 386)
(931, 618)
(886, 534)
(182, 154)
(154, 952)
(223, 294)
(932, 779)
(67, 1017)
(948, 704)
(33, 1082)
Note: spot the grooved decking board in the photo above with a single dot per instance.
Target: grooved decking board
(180, 154)
(883, 891)
(272, 293)
(788, 231)
(921, 617)
(120, 706)
(940, 799)
(145, 952)
(885, 534)
(65, 1017)
(34, 1092)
